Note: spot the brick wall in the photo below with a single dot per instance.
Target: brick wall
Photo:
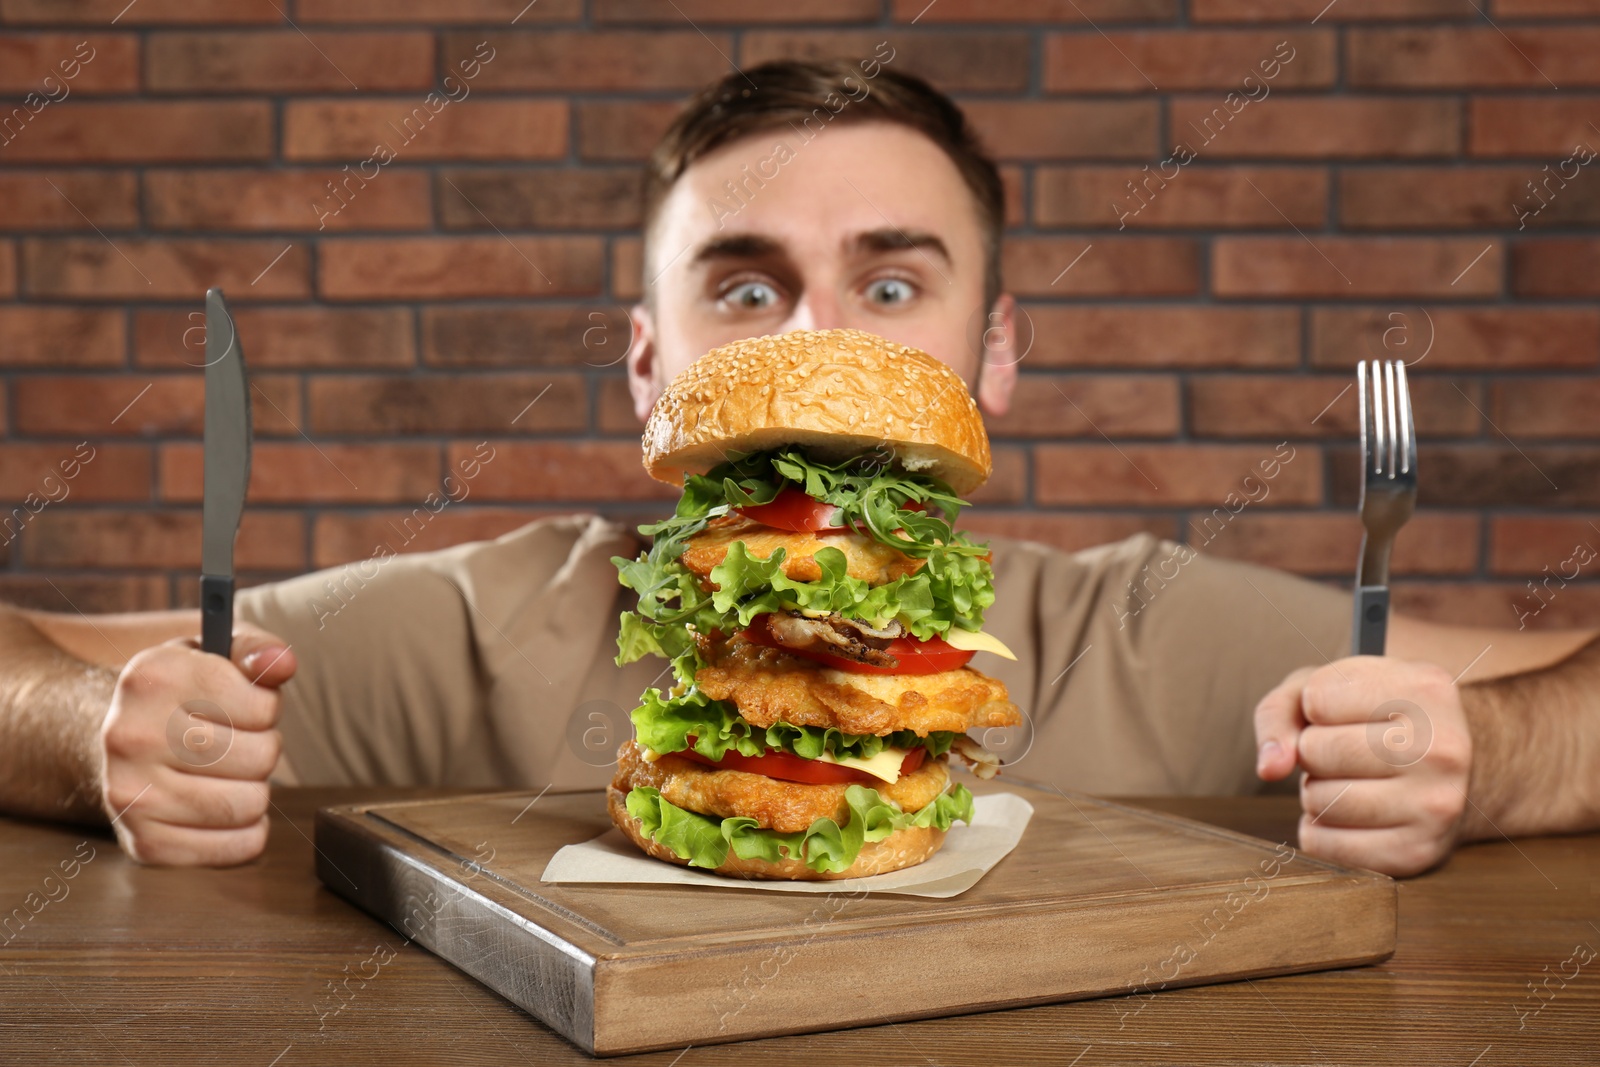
(1359, 196)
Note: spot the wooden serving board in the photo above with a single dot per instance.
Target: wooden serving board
(1098, 899)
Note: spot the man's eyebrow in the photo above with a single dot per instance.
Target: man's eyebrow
(893, 239)
(737, 246)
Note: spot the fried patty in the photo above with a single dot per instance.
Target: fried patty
(787, 807)
(867, 559)
(768, 685)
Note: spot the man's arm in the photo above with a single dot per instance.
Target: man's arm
(1458, 734)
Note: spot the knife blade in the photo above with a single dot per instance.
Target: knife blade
(227, 472)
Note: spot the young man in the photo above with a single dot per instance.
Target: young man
(836, 194)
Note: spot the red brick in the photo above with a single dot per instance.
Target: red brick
(614, 408)
(1527, 9)
(1468, 198)
(1354, 267)
(164, 405)
(1193, 475)
(1043, 11)
(83, 63)
(1556, 267)
(1299, 11)
(1498, 605)
(734, 11)
(1067, 532)
(142, 268)
(1546, 407)
(1167, 60)
(8, 268)
(268, 540)
(1124, 266)
(1172, 197)
(97, 595)
(497, 13)
(60, 337)
(1151, 336)
(1066, 129)
(458, 404)
(101, 13)
(108, 473)
(284, 61)
(1012, 182)
(1058, 405)
(613, 131)
(300, 472)
(435, 268)
(274, 200)
(577, 60)
(294, 337)
(1008, 481)
(1488, 338)
(337, 538)
(1309, 127)
(1457, 57)
(976, 61)
(563, 470)
(1537, 126)
(1528, 544)
(1328, 545)
(552, 199)
(473, 129)
(525, 336)
(1495, 474)
(1279, 406)
(141, 131)
(627, 268)
(81, 200)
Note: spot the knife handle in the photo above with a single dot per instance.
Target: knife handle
(216, 614)
(1370, 624)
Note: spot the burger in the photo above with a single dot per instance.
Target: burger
(818, 610)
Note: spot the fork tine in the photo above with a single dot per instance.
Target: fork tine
(1366, 419)
(1391, 408)
(1408, 428)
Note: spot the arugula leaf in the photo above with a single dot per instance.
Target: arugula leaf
(664, 724)
(824, 846)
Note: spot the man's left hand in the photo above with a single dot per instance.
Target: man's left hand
(1386, 756)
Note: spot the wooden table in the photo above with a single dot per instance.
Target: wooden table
(119, 964)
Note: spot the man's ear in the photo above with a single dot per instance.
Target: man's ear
(998, 356)
(642, 361)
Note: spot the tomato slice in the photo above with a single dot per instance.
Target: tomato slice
(915, 657)
(792, 510)
(786, 766)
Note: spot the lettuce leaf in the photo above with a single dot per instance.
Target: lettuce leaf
(664, 724)
(704, 840)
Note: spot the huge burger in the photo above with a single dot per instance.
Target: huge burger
(818, 609)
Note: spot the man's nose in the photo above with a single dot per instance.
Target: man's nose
(816, 311)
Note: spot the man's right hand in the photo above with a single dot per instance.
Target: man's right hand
(188, 744)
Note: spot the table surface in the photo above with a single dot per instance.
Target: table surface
(103, 961)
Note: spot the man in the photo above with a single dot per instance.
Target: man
(801, 196)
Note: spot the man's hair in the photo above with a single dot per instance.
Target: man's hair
(796, 93)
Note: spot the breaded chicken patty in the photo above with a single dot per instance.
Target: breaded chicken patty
(787, 807)
(868, 560)
(768, 685)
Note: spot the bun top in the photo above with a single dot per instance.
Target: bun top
(834, 393)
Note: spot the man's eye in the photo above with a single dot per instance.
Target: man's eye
(890, 291)
(751, 296)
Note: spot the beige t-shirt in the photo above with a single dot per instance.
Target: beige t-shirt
(491, 664)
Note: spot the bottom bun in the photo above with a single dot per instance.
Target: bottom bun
(903, 848)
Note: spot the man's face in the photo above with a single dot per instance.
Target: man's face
(867, 226)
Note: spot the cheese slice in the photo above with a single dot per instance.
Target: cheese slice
(977, 641)
(885, 765)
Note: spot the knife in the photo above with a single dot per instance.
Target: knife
(227, 472)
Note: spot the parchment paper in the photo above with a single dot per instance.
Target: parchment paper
(969, 852)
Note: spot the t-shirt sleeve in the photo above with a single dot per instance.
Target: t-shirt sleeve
(1148, 659)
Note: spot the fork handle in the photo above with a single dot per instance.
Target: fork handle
(1371, 622)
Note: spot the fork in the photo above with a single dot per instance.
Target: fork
(1388, 493)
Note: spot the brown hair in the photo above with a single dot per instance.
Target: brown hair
(797, 92)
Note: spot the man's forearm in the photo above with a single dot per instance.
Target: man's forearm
(1536, 750)
(51, 708)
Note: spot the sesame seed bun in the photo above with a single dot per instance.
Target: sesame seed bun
(835, 393)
